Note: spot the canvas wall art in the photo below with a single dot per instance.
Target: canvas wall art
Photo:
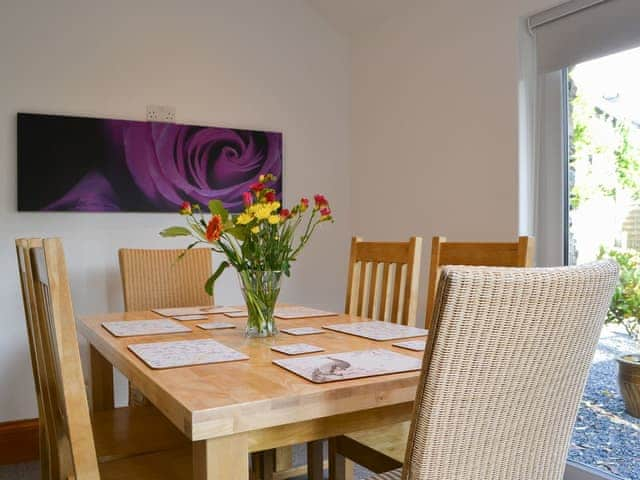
(101, 165)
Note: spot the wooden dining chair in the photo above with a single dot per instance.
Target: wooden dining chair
(383, 280)
(504, 370)
(383, 449)
(116, 444)
(488, 254)
(382, 284)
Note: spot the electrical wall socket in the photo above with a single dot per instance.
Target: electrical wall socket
(161, 113)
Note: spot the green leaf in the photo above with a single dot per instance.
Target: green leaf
(217, 208)
(175, 232)
(208, 287)
(181, 256)
(239, 232)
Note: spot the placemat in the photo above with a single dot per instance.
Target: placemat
(376, 330)
(185, 353)
(415, 345)
(188, 318)
(297, 349)
(215, 325)
(300, 312)
(238, 314)
(302, 331)
(205, 310)
(349, 365)
(134, 328)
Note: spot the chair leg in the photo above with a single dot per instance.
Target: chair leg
(262, 465)
(340, 467)
(315, 465)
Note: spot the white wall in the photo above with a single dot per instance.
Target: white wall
(435, 123)
(243, 63)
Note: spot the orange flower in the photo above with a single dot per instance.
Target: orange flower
(214, 228)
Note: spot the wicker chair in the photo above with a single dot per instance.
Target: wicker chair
(156, 279)
(504, 371)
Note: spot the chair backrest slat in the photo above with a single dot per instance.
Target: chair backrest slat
(159, 279)
(487, 254)
(368, 292)
(504, 370)
(68, 419)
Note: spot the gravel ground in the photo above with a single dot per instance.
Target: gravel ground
(606, 437)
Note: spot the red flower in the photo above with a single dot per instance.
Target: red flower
(247, 199)
(304, 204)
(257, 187)
(214, 228)
(321, 201)
(325, 212)
(270, 196)
(284, 213)
(185, 208)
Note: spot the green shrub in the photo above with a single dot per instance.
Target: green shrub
(625, 305)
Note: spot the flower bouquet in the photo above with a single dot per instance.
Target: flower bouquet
(260, 244)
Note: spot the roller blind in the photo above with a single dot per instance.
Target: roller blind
(581, 30)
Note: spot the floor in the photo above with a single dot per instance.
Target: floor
(31, 471)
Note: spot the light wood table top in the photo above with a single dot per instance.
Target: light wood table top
(255, 399)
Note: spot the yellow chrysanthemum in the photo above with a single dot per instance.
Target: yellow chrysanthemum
(274, 219)
(244, 218)
(255, 229)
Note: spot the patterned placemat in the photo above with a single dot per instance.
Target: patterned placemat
(415, 345)
(205, 310)
(297, 349)
(300, 312)
(185, 353)
(215, 325)
(134, 328)
(188, 318)
(376, 330)
(349, 365)
(302, 331)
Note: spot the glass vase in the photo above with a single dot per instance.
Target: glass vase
(260, 290)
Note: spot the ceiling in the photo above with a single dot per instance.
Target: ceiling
(353, 17)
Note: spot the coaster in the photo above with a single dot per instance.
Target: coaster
(415, 345)
(297, 349)
(185, 353)
(376, 330)
(302, 331)
(186, 318)
(134, 328)
(238, 314)
(205, 310)
(215, 325)
(300, 312)
(349, 365)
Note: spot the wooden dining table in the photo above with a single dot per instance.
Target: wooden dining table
(229, 410)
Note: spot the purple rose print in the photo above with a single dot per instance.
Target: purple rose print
(121, 165)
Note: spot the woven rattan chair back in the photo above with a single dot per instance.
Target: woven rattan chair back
(158, 279)
(487, 254)
(504, 371)
(64, 396)
(383, 280)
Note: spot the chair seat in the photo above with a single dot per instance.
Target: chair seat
(166, 465)
(128, 431)
(392, 475)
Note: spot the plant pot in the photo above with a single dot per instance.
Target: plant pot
(629, 382)
(260, 290)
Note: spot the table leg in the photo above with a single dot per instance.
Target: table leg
(101, 382)
(340, 467)
(221, 458)
(314, 460)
